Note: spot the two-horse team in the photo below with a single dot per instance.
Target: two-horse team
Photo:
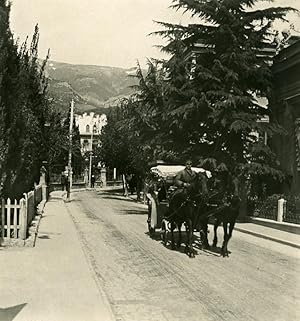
(194, 199)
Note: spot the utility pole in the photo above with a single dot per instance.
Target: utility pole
(70, 173)
(91, 157)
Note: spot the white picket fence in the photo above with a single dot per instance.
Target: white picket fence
(16, 216)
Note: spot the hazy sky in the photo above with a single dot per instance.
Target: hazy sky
(101, 32)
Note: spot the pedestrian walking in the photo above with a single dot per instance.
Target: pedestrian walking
(63, 180)
(66, 180)
(93, 179)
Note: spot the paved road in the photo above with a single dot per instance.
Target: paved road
(145, 281)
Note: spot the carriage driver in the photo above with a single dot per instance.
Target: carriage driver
(184, 178)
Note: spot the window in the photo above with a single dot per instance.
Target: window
(87, 129)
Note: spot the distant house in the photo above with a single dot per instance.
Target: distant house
(286, 110)
(90, 126)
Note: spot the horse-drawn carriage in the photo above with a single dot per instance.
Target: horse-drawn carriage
(195, 208)
(160, 192)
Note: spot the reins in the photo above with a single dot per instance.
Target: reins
(174, 212)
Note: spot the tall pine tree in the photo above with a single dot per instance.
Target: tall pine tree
(216, 72)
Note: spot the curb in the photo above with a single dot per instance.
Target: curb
(267, 237)
(35, 224)
(282, 226)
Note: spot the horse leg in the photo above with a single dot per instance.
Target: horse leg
(224, 251)
(203, 235)
(231, 227)
(215, 241)
(172, 236)
(189, 244)
(187, 241)
(187, 238)
(179, 235)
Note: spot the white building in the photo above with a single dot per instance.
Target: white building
(90, 126)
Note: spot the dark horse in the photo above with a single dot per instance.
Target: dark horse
(183, 206)
(228, 210)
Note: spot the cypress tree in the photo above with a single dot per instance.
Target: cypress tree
(23, 110)
(8, 72)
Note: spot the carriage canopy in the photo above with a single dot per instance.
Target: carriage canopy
(170, 171)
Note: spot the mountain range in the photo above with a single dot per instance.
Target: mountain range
(94, 88)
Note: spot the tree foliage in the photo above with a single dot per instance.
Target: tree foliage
(25, 110)
(203, 102)
(58, 144)
(215, 92)
(121, 144)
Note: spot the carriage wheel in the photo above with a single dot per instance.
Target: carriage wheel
(164, 233)
(151, 230)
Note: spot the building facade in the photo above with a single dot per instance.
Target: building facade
(286, 110)
(90, 126)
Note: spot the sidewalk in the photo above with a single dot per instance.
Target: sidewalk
(52, 281)
(269, 233)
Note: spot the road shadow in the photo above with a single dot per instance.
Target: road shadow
(197, 245)
(9, 314)
(213, 250)
(111, 190)
(44, 237)
(133, 212)
(54, 198)
(118, 197)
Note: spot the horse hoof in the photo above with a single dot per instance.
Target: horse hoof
(205, 246)
(224, 254)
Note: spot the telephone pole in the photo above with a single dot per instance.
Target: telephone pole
(94, 128)
(70, 173)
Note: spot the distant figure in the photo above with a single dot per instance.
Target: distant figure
(43, 173)
(131, 183)
(93, 179)
(63, 180)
